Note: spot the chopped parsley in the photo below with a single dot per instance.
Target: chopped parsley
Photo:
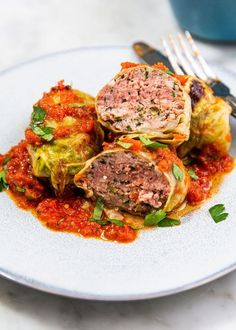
(117, 222)
(6, 160)
(97, 215)
(159, 219)
(192, 174)
(124, 145)
(98, 210)
(169, 222)
(38, 115)
(154, 218)
(169, 72)
(128, 128)
(3, 182)
(37, 127)
(150, 144)
(44, 132)
(178, 172)
(217, 213)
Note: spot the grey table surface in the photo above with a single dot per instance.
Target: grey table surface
(30, 28)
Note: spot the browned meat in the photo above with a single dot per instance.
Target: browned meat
(196, 92)
(127, 181)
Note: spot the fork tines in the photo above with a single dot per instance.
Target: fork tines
(186, 58)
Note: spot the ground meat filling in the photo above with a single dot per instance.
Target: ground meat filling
(126, 181)
(141, 99)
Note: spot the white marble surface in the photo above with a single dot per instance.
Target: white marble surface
(30, 28)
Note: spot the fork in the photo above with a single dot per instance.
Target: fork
(185, 58)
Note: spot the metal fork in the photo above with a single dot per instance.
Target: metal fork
(186, 58)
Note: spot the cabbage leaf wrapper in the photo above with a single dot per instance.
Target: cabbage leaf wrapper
(69, 115)
(209, 119)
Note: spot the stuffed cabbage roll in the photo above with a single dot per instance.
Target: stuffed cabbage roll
(135, 180)
(209, 119)
(142, 99)
(63, 135)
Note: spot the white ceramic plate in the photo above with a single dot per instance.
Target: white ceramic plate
(160, 262)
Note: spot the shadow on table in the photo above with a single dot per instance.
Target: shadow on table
(208, 307)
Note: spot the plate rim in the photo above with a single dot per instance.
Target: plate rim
(41, 286)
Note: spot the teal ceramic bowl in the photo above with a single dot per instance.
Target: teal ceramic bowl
(213, 20)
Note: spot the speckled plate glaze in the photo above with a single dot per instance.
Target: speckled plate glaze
(160, 262)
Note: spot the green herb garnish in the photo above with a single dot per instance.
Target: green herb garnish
(217, 213)
(117, 222)
(37, 127)
(152, 219)
(38, 115)
(97, 212)
(44, 132)
(150, 144)
(102, 222)
(6, 160)
(124, 144)
(169, 72)
(3, 182)
(128, 128)
(192, 174)
(178, 172)
(168, 222)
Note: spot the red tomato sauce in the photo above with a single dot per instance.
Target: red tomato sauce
(56, 102)
(72, 213)
(27, 189)
(210, 163)
(59, 103)
(69, 213)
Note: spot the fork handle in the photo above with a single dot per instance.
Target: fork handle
(231, 100)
